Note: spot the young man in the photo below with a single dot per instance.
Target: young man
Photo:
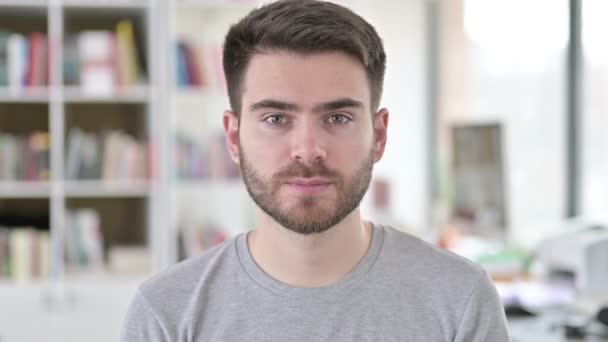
(305, 80)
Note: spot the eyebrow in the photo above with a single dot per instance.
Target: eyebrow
(273, 104)
(338, 104)
(323, 107)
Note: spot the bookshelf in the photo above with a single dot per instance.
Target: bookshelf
(60, 94)
(21, 189)
(204, 197)
(33, 95)
(98, 230)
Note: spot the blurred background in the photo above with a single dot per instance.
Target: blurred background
(113, 164)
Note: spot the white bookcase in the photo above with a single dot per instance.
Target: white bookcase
(131, 211)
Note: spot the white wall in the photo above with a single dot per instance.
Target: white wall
(402, 26)
(513, 76)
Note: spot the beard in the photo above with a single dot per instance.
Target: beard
(309, 214)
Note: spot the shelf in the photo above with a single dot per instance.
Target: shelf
(215, 4)
(74, 94)
(194, 93)
(23, 3)
(138, 94)
(213, 187)
(228, 182)
(124, 4)
(103, 277)
(24, 189)
(24, 95)
(94, 188)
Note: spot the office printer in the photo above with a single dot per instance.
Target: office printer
(582, 253)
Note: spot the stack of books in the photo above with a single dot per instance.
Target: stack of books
(24, 254)
(84, 240)
(24, 61)
(102, 62)
(24, 158)
(111, 155)
(199, 66)
(200, 159)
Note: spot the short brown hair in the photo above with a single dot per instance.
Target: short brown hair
(304, 27)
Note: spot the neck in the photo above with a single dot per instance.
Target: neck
(313, 260)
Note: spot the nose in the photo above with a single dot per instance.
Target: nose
(308, 146)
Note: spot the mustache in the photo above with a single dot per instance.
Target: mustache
(296, 169)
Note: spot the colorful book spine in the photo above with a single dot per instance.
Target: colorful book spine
(103, 62)
(111, 155)
(24, 157)
(84, 239)
(24, 254)
(191, 65)
(17, 62)
(4, 35)
(128, 68)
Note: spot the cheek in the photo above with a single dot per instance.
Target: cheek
(264, 154)
(356, 146)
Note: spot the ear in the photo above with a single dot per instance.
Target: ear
(380, 130)
(231, 130)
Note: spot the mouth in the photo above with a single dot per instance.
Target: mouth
(308, 186)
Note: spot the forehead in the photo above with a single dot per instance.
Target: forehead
(305, 79)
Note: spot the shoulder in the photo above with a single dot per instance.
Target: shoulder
(458, 291)
(426, 258)
(431, 267)
(171, 287)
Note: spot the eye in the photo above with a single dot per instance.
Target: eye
(338, 119)
(276, 119)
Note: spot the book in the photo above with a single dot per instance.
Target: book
(41, 148)
(8, 153)
(37, 60)
(128, 68)
(203, 158)
(21, 254)
(182, 64)
(112, 147)
(84, 239)
(103, 62)
(17, 62)
(45, 250)
(191, 65)
(4, 35)
(74, 141)
(5, 253)
(24, 253)
(24, 157)
(110, 155)
(71, 63)
(91, 235)
(97, 60)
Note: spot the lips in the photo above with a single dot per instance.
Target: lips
(308, 186)
(308, 181)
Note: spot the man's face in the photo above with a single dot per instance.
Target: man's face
(306, 142)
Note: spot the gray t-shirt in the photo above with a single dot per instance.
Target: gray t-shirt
(404, 289)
